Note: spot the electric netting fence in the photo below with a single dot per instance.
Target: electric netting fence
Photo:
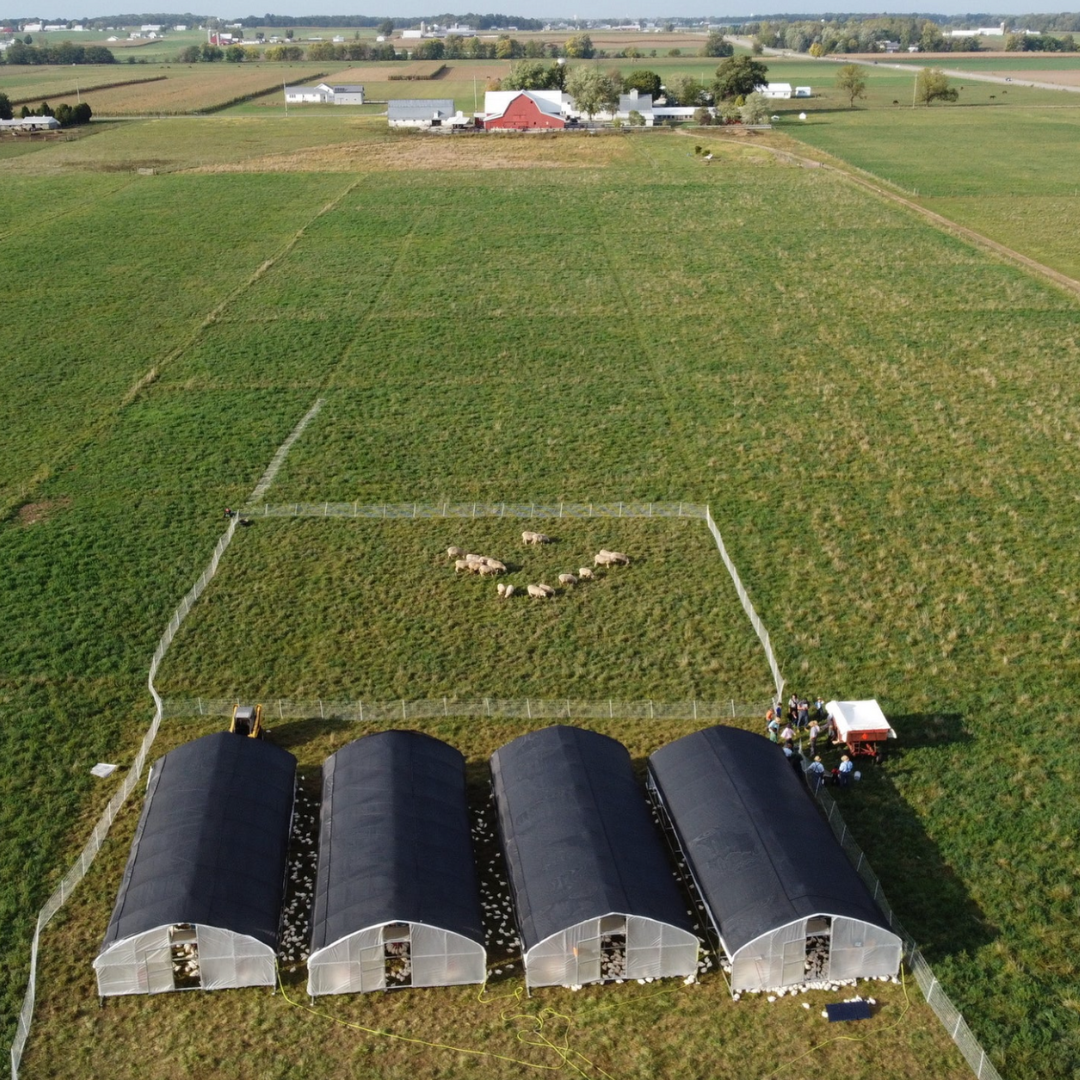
(491, 708)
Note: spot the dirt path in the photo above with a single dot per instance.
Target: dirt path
(941, 222)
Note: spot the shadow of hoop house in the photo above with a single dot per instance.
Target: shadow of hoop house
(396, 896)
(200, 903)
(787, 904)
(593, 888)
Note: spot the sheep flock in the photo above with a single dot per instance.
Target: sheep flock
(486, 566)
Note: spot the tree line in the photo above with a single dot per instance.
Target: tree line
(67, 115)
(24, 52)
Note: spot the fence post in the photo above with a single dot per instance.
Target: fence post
(280, 714)
(445, 708)
(528, 709)
(404, 716)
(695, 710)
(322, 716)
(361, 704)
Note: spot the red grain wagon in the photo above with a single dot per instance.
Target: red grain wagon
(862, 726)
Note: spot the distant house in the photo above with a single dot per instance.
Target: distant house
(524, 110)
(347, 94)
(775, 90)
(30, 123)
(803, 91)
(419, 112)
(325, 94)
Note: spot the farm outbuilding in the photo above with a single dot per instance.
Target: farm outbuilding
(396, 898)
(592, 884)
(200, 902)
(787, 904)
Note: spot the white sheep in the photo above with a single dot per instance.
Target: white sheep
(454, 553)
(508, 592)
(535, 538)
(610, 558)
(585, 573)
(500, 589)
(547, 590)
(537, 592)
(567, 579)
(462, 564)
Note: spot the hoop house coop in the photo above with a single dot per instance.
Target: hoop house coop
(396, 897)
(200, 901)
(862, 726)
(592, 885)
(787, 904)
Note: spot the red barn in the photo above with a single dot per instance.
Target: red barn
(524, 110)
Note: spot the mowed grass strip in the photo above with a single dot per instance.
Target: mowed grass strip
(661, 1029)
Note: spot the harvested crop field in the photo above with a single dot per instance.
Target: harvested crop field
(192, 89)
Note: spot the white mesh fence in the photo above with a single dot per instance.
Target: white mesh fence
(936, 998)
(392, 511)
(89, 852)
(748, 607)
(390, 712)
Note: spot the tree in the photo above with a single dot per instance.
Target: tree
(533, 75)
(580, 47)
(386, 28)
(288, 35)
(703, 117)
(5, 107)
(688, 92)
(644, 82)
(817, 49)
(851, 80)
(755, 110)
(591, 90)
(635, 118)
(717, 45)
(932, 84)
(235, 54)
(739, 76)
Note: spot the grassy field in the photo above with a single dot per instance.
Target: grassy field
(663, 1029)
(1028, 199)
(884, 430)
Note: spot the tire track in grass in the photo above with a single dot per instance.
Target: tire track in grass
(97, 428)
(839, 167)
(667, 396)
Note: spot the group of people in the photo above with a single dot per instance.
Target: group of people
(818, 724)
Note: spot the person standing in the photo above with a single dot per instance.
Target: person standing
(815, 775)
(802, 716)
(772, 725)
(787, 736)
(847, 767)
(815, 734)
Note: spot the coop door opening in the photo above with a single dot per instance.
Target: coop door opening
(818, 942)
(184, 954)
(397, 954)
(613, 947)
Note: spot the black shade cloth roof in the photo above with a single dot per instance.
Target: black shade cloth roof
(759, 850)
(578, 836)
(212, 841)
(394, 840)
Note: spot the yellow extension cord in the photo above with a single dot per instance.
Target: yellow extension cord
(562, 1050)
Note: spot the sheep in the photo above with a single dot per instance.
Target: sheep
(495, 564)
(508, 592)
(535, 538)
(454, 553)
(537, 592)
(585, 573)
(546, 589)
(485, 569)
(610, 558)
(500, 589)
(462, 564)
(567, 579)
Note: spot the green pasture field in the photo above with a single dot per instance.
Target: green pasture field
(882, 417)
(383, 616)
(661, 1029)
(1028, 198)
